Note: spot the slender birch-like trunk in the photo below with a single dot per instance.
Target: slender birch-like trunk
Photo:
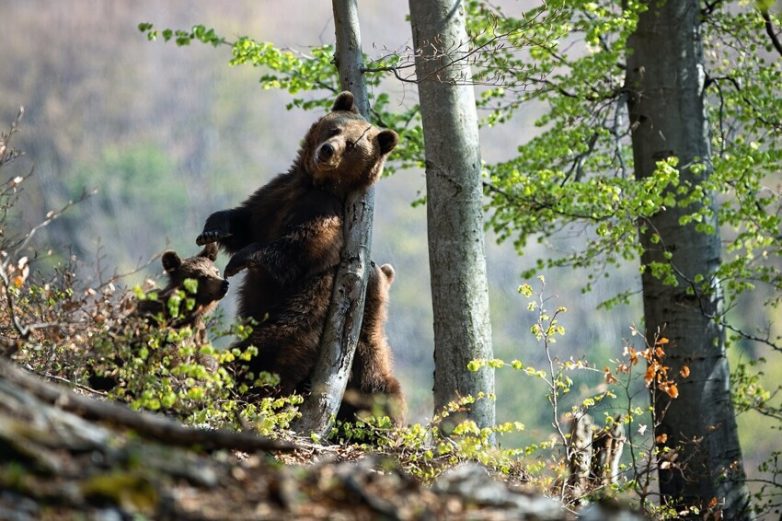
(665, 75)
(462, 331)
(343, 325)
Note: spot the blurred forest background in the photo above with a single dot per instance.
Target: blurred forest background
(167, 135)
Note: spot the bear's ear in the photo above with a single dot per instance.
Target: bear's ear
(389, 272)
(345, 101)
(387, 140)
(209, 251)
(171, 261)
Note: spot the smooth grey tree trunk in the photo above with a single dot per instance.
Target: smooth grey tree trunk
(462, 331)
(665, 75)
(343, 325)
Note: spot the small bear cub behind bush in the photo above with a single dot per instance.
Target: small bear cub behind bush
(201, 299)
(193, 291)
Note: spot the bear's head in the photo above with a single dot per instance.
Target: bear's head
(201, 268)
(342, 151)
(388, 275)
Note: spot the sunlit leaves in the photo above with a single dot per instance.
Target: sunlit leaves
(182, 38)
(288, 70)
(303, 73)
(745, 108)
(578, 169)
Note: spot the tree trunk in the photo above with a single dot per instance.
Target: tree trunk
(343, 324)
(462, 331)
(665, 74)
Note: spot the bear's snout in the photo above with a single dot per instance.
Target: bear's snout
(224, 288)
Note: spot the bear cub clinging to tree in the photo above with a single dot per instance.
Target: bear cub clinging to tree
(372, 386)
(288, 238)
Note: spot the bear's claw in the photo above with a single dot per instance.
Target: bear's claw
(210, 236)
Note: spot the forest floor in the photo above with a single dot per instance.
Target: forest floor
(65, 456)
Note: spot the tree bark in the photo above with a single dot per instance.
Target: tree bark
(343, 324)
(462, 331)
(665, 74)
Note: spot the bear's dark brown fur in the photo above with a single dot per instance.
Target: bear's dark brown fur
(288, 236)
(288, 343)
(372, 387)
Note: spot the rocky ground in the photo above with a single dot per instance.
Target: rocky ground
(64, 456)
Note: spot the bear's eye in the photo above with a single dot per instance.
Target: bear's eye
(349, 144)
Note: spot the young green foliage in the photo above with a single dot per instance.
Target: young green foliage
(302, 74)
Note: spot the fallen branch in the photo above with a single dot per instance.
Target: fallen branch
(145, 424)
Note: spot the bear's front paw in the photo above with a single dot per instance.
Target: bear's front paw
(217, 227)
(242, 260)
(235, 265)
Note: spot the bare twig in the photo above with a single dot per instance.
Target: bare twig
(709, 8)
(70, 383)
(748, 336)
(770, 31)
(777, 125)
(119, 276)
(20, 328)
(12, 252)
(7, 152)
(51, 216)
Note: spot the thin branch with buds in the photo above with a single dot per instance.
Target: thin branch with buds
(769, 26)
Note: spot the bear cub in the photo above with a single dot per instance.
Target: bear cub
(372, 387)
(155, 310)
(211, 288)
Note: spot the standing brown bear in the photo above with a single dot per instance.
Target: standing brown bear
(288, 236)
